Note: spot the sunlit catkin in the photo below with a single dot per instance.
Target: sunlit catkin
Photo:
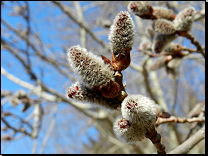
(140, 110)
(184, 19)
(90, 68)
(139, 7)
(163, 26)
(80, 92)
(128, 132)
(121, 40)
(161, 41)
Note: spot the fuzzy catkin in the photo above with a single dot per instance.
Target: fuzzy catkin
(139, 7)
(163, 26)
(91, 69)
(184, 19)
(161, 41)
(128, 132)
(81, 93)
(121, 33)
(161, 12)
(140, 110)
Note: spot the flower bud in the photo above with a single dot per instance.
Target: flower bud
(121, 38)
(81, 93)
(160, 12)
(128, 132)
(163, 26)
(91, 69)
(161, 41)
(139, 7)
(184, 19)
(140, 110)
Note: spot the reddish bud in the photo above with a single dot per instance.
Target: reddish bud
(122, 61)
(110, 89)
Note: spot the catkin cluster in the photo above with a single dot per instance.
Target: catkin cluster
(138, 116)
(165, 24)
(96, 79)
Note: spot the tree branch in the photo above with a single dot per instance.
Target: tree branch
(185, 147)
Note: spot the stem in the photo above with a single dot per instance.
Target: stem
(156, 140)
(193, 41)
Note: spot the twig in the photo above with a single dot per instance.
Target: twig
(55, 97)
(190, 143)
(15, 130)
(152, 54)
(156, 140)
(37, 52)
(178, 120)
(81, 19)
(80, 23)
(146, 80)
(53, 120)
(193, 41)
(174, 96)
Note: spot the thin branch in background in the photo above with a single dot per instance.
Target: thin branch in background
(83, 37)
(152, 54)
(174, 96)
(37, 52)
(185, 147)
(50, 129)
(14, 129)
(178, 120)
(146, 80)
(81, 24)
(193, 41)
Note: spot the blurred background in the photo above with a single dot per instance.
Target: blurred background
(36, 115)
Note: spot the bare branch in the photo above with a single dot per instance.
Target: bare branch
(185, 147)
(80, 23)
(178, 120)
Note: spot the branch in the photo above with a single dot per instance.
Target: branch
(156, 140)
(50, 129)
(193, 41)
(15, 130)
(81, 19)
(185, 147)
(178, 120)
(80, 23)
(55, 97)
(146, 80)
(37, 52)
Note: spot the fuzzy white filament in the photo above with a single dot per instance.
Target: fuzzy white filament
(91, 69)
(121, 33)
(140, 110)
